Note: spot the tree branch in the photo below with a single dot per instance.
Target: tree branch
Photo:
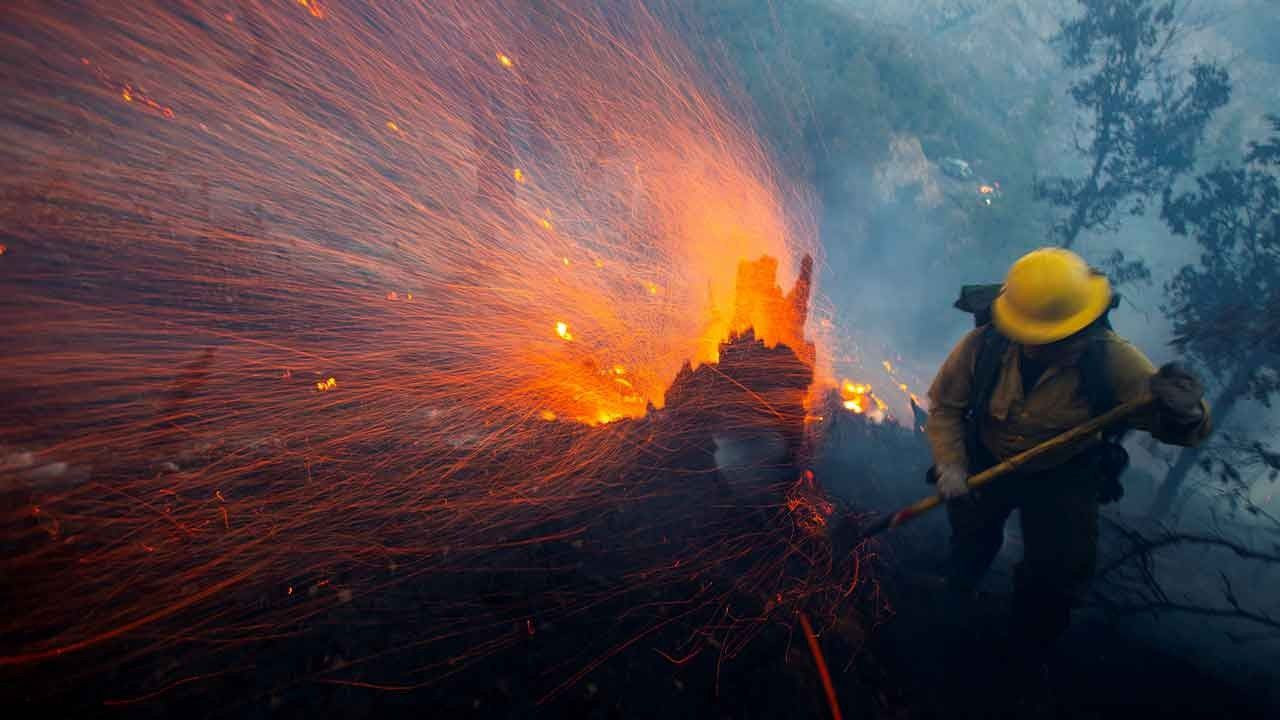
(1141, 592)
(1235, 613)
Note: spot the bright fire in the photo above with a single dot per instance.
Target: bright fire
(859, 399)
(856, 396)
(181, 279)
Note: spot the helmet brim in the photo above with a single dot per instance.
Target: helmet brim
(1029, 331)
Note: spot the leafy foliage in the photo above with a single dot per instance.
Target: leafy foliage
(1145, 116)
(1224, 310)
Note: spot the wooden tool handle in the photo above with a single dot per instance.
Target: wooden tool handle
(1066, 439)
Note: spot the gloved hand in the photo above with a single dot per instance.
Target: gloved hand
(1177, 394)
(952, 481)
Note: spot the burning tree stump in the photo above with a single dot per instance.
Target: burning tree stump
(763, 374)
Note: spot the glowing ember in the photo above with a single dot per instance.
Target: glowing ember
(173, 263)
(898, 383)
(313, 6)
(988, 192)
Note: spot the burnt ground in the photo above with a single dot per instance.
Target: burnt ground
(900, 652)
(588, 615)
(941, 660)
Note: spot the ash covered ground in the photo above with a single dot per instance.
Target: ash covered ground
(590, 614)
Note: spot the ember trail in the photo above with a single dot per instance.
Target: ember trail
(331, 310)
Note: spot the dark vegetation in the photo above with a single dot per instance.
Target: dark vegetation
(1143, 116)
(589, 625)
(1224, 309)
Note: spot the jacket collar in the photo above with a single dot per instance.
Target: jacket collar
(1008, 390)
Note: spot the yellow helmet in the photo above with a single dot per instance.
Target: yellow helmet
(1049, 294)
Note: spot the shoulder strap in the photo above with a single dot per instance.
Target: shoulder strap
(1094, 382)
(986, 371)
(986, 367)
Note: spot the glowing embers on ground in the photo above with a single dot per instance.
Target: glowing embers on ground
(809, 504)
(859, 399)
(163, 269)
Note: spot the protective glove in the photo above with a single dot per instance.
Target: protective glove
(1177, 394)
(952, 481)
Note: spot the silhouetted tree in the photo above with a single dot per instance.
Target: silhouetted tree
(1143, 115)
(1224, 310)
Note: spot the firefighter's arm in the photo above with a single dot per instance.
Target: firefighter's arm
(948, 399)
(1131, 375)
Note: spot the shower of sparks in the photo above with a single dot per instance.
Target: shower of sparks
(206, 210)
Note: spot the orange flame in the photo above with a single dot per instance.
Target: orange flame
(856, 396)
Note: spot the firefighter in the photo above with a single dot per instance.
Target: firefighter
(1046, 362)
